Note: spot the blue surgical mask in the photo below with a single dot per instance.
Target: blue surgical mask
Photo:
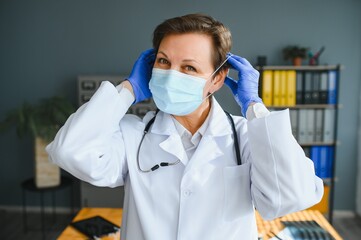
(177, 93)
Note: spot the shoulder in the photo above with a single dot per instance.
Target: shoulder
(134, 122)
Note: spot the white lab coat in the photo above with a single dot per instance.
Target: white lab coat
(210, 197)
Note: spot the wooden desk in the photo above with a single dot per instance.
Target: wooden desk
(115, 215)
(112, 214)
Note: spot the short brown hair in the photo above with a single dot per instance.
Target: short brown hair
(197, 23)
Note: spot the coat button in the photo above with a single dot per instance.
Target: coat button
(187, 193)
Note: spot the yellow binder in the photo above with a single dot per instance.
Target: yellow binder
(267, 93)
(283, 88)
(291, 88)
(277, 88)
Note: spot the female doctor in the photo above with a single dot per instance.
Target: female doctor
(188, 174)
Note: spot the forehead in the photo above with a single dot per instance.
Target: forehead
(195, 46)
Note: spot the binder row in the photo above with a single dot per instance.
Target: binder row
(313, 125)
(322, 157)
(290, 87)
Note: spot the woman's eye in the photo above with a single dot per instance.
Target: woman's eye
(191, 69)
(163, 61)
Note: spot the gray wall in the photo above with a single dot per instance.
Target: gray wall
(45, 44)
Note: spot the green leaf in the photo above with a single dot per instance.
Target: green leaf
(42, 119)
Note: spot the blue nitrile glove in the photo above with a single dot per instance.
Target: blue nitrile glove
(245, 89)
(140, 76)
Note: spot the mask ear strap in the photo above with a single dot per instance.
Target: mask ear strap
(209, 94)
(220, 67)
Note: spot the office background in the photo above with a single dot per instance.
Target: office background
(46, 44)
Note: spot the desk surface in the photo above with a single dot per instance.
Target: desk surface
(112, 214)
(115, 215)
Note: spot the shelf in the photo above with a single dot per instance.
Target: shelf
(307, 106)
(318, 144)
(328, 180)
(301, 68)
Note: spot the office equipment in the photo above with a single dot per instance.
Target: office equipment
(276, 88)
(113, 215)
(291, 87)
(315, 157)
(315, 96)
(267, 93)
(310, 125)
(307, 97)
(318, 125)
(323, 88)
(302, 126)
(299, 87)
(283, 88)
(332, 87)
(95, 227)
(329, 125)
(324, 172)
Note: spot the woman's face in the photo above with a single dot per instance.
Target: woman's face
(189, 53)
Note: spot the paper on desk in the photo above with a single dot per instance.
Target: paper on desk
(285, 234)
(110, 236)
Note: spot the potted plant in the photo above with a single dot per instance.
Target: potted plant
(295, 53)
(42, 121)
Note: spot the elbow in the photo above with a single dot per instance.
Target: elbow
(53, 152)
(290, 200)
(63, 157)
(309, 195)
(267, 205)
(89, 163)
(57, 154)
(313, 196)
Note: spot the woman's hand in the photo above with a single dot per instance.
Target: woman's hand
(140, 76)
(245, 89)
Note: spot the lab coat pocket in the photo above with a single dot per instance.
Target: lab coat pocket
(237, 190)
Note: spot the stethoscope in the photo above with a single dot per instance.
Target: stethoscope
(166, 164)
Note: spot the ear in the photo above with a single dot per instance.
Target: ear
(218, 80)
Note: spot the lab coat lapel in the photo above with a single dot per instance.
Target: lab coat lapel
(164, 125)
(218, 134)
(174, 146)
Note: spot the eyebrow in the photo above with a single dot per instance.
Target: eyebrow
(163, 53)
(185, 60)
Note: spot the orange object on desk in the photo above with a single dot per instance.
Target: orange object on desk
(113, 215)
